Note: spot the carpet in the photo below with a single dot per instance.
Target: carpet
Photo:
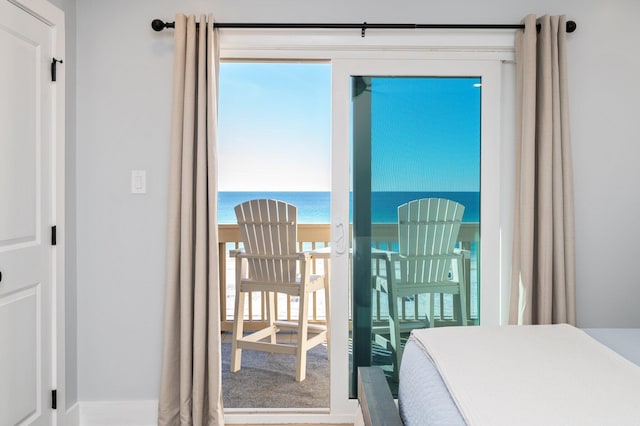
(267, 380)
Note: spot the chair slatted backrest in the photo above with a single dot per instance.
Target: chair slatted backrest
(269, 230)
(427, 233)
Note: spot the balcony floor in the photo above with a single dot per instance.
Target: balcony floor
(267, 380)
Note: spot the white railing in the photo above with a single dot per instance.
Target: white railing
(311, 237)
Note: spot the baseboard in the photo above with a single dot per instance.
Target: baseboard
(145, 413)
(72, 416)
(118, 413)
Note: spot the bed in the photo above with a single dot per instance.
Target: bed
(518, 375)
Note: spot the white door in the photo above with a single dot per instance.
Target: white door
(26, 215)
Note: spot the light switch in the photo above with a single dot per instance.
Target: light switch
(138, 181)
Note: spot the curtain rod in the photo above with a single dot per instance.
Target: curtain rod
(159, 25)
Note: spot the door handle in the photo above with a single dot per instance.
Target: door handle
(340, 243)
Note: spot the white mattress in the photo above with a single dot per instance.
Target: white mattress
(423, 397)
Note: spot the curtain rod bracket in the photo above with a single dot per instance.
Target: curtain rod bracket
(364, 28)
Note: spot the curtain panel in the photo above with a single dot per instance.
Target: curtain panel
(543, 272)
(190, 392)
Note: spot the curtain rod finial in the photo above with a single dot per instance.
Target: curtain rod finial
(157, 25)
(571, 26)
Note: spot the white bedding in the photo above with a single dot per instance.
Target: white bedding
(529, 375)
(423, 398)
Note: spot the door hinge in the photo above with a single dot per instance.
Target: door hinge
(54, 399)
(53, 235)
(54, 64)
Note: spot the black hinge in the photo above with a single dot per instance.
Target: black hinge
(54, 399)
(53, 235)
(54, 63)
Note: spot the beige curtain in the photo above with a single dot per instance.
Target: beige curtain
(543, 273)
(190, 392)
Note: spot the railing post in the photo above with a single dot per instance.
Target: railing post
(222, 273)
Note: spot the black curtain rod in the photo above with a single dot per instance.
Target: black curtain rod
(159, 25)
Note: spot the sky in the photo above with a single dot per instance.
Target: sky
(425, 134)
(274, 130)
(274, 127)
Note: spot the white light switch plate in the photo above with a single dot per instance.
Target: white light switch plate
(138, 181)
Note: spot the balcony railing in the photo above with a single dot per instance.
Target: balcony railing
(311, 237)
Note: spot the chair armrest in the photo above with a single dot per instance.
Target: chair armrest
(383, 254)
(465, 253)
(236, 252)
(304, 256)
(320, 253)
(240, 254)
(376, 401)
(399, 257)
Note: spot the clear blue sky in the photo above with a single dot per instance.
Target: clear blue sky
(425, 134)
(274, 130)
(274, 127)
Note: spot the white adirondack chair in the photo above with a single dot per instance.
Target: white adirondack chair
(270, 263)
(427, 263)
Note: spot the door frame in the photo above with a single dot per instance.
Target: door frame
(54, 18)
(493, 48)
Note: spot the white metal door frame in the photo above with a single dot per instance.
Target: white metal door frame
(382, 53)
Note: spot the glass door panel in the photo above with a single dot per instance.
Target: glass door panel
(274, 135)
(416, 156)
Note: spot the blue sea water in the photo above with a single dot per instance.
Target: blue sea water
(314, 207)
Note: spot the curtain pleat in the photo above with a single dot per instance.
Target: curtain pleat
(543, 270)
(190, 392)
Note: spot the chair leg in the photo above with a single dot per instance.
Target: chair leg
(463, 293)
(432, 301)
(327, 307)
(271, 314)
(301, 349)
(394, 330)
(238, 330)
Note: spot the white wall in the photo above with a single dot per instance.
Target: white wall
(123, 101)
(122, 73)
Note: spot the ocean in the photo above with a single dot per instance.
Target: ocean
(314, 207)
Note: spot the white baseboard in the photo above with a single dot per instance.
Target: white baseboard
(145, 413)
(118, 413)
(72, 416)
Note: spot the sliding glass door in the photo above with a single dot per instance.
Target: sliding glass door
(274, 143)
(419, 135)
